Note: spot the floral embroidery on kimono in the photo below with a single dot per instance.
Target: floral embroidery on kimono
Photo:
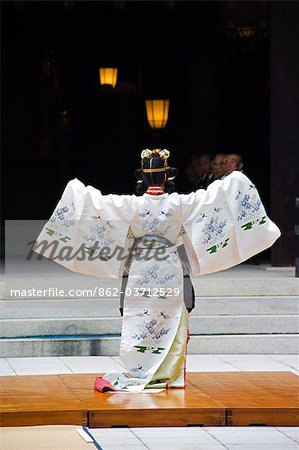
(214, 232)
(62, 217)
(98, 232)
(150, 332)
(155, 225)
(152, 273)
(250, 205)
(64, 214)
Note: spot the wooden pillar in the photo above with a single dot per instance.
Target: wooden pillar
(284, 127)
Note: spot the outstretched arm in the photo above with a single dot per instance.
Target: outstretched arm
(87, 231)
(227, 223)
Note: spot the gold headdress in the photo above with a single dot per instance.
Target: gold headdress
(155, 153)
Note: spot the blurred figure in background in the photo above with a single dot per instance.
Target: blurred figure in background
(203, 170)
(231, 162)
(217, 168)
(191, 175)
(197, 169)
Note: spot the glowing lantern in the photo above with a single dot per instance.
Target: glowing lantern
(157, 112)
(246, 32)
(108, 75)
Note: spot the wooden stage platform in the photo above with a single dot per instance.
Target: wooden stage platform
(210, 399)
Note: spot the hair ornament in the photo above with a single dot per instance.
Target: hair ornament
(146, 153)
(163, 154)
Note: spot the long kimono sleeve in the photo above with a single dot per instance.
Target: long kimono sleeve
(225, 224)
(87, 231)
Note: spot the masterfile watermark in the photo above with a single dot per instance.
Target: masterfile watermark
(31, 246)
(96, 292)
(60, 252)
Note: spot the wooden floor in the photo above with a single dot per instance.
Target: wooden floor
(210, 399)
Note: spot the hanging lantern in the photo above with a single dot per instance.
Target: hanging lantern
(157, 112)
(246, 32)
(108, 75)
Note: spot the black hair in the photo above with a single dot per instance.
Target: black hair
(146, 179)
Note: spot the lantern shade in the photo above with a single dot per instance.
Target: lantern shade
(108, 75)
(157, 112)
(246, 32)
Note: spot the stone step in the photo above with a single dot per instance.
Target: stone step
(108, 307)
(199, 325)
(282, 344)
(251, 324)
(213, 286)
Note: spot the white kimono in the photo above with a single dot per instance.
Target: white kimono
(88, 233)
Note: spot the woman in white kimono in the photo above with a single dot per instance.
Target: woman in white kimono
(95, 234)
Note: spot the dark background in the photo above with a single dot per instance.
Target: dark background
(58, 123)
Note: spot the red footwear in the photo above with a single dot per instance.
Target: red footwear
(102, 385)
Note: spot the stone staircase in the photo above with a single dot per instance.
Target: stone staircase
(247, 309)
